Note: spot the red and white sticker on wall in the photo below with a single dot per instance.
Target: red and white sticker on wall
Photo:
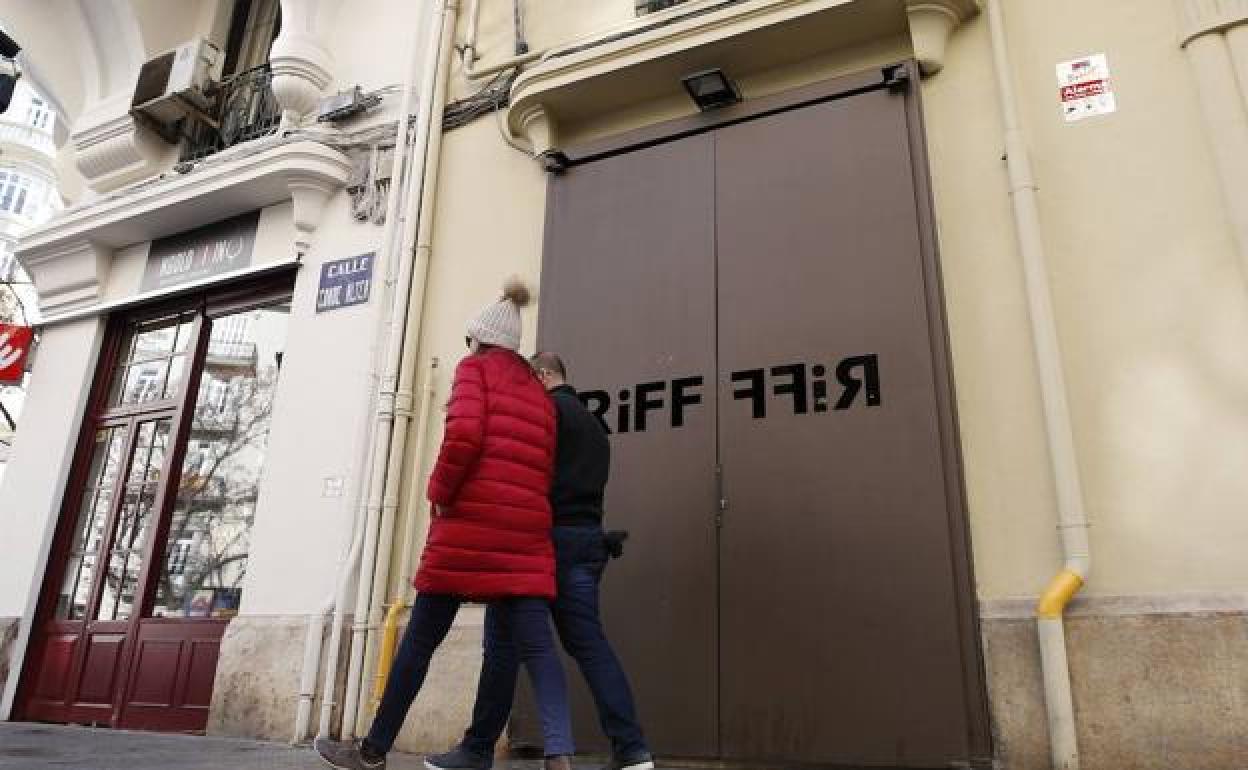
(1085, 88)
(15, 342)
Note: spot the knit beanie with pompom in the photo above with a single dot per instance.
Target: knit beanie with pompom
(499, 322)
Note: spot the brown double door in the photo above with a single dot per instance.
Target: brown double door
(755, 313)
(152, 545)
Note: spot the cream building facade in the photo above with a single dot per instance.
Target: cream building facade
(1085, 330)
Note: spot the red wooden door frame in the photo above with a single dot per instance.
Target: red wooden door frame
(181, 712)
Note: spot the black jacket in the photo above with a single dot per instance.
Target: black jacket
(582, 462)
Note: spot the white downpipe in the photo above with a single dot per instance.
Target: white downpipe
(387, 393)
(401, 351)
(1073, 522)
(469, 54)
(362, 471)
(416, 490)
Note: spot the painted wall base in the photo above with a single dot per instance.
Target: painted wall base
(8, 635)
(255, 694)
(1151, 691)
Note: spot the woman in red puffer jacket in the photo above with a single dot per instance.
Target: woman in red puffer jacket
(489, 539)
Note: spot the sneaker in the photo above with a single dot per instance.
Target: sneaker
(639, 761)
(561, 762)
(458, 758)
(346, 756)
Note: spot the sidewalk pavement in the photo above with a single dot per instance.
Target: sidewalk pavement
(43, 747)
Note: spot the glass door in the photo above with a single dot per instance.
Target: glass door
(151, 554)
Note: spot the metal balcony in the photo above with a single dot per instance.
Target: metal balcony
(244, 109)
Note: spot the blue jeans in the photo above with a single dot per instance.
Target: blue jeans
(581, 558)
(524, 619)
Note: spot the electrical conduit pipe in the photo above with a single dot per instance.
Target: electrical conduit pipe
(400, 597)
(385, 494)
(1072, 519)
(388, 394)
(313, 636)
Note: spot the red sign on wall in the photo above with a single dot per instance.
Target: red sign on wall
(14, 348)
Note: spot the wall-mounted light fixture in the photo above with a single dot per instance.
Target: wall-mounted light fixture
(711, 89)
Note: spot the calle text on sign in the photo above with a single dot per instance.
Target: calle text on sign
(345, 282)
(200, 253)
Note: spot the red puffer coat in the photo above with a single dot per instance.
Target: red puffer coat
(491, 485)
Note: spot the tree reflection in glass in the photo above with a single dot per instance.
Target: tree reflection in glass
(205, 555)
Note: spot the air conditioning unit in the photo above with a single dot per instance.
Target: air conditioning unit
(178, 83)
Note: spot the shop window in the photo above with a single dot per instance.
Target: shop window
(193, 527)
(38, 115)
(15, 189)
(208, 541)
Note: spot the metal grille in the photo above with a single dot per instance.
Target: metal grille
(650, 6)
(244, 109)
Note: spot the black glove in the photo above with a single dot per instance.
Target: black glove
(614, 541)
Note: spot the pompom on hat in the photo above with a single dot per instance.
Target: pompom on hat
(499, 322)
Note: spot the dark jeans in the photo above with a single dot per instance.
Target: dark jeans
(525, 620)
(581, 558)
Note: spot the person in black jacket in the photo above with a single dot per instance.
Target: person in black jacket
(582, 464)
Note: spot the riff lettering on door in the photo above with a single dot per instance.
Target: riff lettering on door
(796, 388)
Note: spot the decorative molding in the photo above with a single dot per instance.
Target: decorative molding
(69, 276)
(1200, 17)
(301, 62)
(69, 257)
(119, 150)
(644, 60)
(932, 22)
(536, 124)
(302, 71)
(308, 193)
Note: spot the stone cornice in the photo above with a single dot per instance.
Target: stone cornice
(1200, 17)
(645, 59)
(68, 258)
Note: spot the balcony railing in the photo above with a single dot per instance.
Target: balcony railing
(244, 109)
(16, 132)
(651, 6)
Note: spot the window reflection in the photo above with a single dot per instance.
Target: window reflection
(206, 550)
(106, 461)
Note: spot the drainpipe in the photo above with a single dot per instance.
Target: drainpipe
(1072, 519)
(390, 393)
(401, 598)
(362, 476)
(385, 492)
(469, 53)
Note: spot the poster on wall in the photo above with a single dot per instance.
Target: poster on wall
(201, 253)
(1085, 88)
(15, 343)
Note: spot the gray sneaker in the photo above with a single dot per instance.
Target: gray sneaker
(346, 756)
(640, 761)
(458, 758)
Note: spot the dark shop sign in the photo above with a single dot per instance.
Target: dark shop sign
(345, 282)
(798, 388)
(200, 253)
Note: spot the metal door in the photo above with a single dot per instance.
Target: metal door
(627, 300)
(845, 636)
(803, 521)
